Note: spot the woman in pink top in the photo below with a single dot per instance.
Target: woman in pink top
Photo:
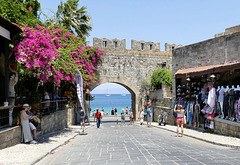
(180, 117)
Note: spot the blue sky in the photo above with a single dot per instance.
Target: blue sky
(110, 88)
(165, 21)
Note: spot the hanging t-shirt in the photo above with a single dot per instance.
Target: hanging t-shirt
(211, 97)
(221, 95)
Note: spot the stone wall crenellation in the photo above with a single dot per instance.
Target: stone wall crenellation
(110, 45)
(145, 46)
(113, 45)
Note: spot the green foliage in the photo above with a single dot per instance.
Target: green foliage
(20, 11)
(28, 85)
(71, 17)
(161, 76)
(146, 84)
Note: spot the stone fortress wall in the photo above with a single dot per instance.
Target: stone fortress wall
(115, 45)
(130, 67)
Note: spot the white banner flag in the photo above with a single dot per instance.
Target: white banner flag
(80, 90)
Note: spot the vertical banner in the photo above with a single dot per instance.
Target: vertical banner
(80, 89)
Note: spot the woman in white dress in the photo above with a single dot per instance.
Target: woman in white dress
(141, 116)
(26, 131)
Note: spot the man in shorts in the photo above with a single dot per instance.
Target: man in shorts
(149, 116)
(82, 122)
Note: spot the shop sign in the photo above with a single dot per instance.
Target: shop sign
(68, 93)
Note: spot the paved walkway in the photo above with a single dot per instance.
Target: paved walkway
(24, 154)
(222, 140)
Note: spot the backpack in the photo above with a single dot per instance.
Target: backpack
(81, 114)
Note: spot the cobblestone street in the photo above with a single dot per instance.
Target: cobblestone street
(127, 144)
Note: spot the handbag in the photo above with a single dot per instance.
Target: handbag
(36, 119)
(33, 122)
(207, 109)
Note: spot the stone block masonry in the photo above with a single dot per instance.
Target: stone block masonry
(57, 121)
(115, 45)
(220, 50)
(10, 137)
(50, 123)
(130, 67)
(226, 127)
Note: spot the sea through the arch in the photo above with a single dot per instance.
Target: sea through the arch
(109, 101)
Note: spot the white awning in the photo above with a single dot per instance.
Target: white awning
(5, 33)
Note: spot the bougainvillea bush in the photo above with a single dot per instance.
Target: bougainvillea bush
(52, 55)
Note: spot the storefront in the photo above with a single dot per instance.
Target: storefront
(7, 31)
(209, 91)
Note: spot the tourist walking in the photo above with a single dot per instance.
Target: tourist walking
(122, 117)
(93, 115)
(112, 111)
(115, 111)
(131, 116)
(103, 110)
(141, 116)
(127, 111)
(102, 114)
(98, 117)
(26, 131)
(82, 118)
(149, 116)
(180, 117)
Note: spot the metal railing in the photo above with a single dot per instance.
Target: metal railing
(51, 106)
(5, 113)
(41, 109)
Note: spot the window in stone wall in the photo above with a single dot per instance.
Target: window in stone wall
(142, 46)
(159, 86)
(104, 44)
(115, 44)
(150, 46)
(164, 65)
(172, 47)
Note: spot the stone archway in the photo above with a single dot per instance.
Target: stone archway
(130, 87)
(131, 67)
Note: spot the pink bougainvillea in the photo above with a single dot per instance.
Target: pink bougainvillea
(53, 54)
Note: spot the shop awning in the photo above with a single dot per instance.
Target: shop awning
(202, 70)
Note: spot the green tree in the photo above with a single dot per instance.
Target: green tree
(20, 11)
(161, 76)
(69, 16)
(34, 5)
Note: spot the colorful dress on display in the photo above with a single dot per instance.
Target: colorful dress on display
(237, 110)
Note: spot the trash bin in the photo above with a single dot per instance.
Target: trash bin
(145, 117)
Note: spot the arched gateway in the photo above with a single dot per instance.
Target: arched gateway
(130, 67)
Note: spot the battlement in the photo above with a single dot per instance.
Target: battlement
(115, 45)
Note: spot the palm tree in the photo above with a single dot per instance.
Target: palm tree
(69, 16)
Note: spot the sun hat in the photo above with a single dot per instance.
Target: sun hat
(25, 105)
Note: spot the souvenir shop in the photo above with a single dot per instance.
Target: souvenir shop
(207, 92)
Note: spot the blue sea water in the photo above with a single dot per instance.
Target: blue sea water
(109, 102)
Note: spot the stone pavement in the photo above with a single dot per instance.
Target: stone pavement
(222, 140)
(124, 144)
(24, 154)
